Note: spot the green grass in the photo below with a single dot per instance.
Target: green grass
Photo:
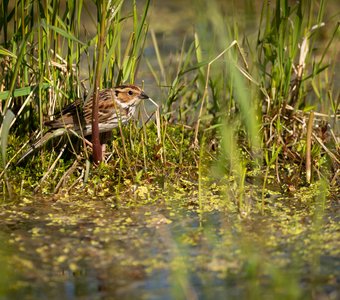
(235, 104)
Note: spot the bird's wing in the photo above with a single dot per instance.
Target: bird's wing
(70, 115)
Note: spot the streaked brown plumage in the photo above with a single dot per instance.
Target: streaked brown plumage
(116, 105)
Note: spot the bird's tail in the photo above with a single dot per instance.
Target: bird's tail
(37, 144)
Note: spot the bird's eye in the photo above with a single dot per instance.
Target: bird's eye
(130, 93)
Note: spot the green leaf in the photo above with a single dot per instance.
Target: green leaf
(5, 126)
(24, 91)
(65, 34)
(6, 52)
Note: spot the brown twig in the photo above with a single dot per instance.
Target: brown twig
(97, 149)
(309, 147)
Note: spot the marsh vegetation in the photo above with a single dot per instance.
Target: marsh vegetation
(230, 188)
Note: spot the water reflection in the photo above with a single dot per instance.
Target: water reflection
(92, 251)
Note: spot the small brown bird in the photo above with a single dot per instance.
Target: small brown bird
(116, 106)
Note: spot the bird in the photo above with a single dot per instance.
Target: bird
(115, 106)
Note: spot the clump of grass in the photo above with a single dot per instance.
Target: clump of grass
(45, 44)
(255, 93)
(290, 71)
(243, 99)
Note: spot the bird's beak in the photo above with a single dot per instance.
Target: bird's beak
(143, 96)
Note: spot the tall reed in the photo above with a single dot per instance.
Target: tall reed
(49, 58)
